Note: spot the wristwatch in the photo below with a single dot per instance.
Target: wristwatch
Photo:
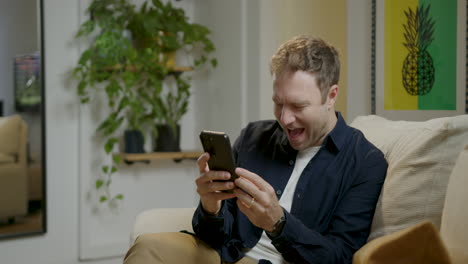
(277, 228)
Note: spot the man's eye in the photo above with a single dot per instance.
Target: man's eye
(299, 107)
(278, 105)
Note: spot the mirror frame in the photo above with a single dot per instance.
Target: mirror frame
(43, 229)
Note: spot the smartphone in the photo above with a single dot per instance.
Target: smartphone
(217, 144)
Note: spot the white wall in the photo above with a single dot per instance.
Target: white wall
(78, 229)
(359, 58)
(221, 95)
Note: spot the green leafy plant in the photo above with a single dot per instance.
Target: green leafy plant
(163, 29)
(128, 59)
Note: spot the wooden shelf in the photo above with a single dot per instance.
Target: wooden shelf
(145, 157)
(175, 69)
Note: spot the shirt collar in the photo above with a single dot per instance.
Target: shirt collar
(337, 137)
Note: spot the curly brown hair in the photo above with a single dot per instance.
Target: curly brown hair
(309, 54)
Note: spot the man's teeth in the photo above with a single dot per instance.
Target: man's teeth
(295, 131)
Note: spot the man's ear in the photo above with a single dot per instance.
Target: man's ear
(332, 95)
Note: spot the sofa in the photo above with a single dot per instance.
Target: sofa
(13, 167)
(421, 213)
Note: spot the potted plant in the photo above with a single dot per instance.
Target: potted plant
(165, 29)
(128, 63)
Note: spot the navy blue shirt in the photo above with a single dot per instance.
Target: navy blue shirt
(333, 204)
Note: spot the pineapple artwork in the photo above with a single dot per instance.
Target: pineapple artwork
(418, 67)
(420, 60)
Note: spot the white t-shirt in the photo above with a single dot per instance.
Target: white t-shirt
(264, 249)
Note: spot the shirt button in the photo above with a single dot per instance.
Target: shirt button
(278, 192)
(298, 196)
(291, 162)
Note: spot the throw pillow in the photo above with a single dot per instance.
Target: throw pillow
(454, 227)
(9, 134)
(421, 156)
(418, 244)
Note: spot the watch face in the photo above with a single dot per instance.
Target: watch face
(278, 227)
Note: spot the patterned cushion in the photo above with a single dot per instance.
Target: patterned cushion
(421, 156)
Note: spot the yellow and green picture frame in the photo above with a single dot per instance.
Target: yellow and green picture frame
(419, 58)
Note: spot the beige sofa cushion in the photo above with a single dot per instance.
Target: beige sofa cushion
(9, 134)
(6, 158)
(421, 156)
(162, 220)
(454, 226)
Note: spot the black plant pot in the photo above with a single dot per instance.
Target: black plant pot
(134, 141)
(167, 139)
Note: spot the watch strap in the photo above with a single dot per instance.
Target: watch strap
(278, 227)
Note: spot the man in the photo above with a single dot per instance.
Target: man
(308, 183)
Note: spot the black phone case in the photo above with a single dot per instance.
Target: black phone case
(219, 147)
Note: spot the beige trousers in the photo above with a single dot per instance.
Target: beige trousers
(174, 248)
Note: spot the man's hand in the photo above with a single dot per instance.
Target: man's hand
(257, 200)
(209, 189)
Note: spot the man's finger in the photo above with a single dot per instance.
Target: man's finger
(246, 200)
(254, 178)
(211, 176)
(221, 196)
(215, 186)
(252, 189)
(217, 176)
(202, 162)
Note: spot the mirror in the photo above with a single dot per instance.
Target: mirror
(22, 119)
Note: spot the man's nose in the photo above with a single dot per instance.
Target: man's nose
(287, 116)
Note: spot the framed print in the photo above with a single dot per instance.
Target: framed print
(419, 52)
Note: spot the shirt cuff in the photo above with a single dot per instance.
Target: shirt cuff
(210, 217)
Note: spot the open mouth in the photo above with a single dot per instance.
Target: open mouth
(295, 133)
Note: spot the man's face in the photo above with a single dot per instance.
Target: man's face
(299, 110)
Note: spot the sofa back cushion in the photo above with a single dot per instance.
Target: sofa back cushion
(162, 220)
(6, 158)
(10, 134)
(454, 227)
(421, 156)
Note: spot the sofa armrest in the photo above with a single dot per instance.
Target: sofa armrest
(454, 230)
(162, 220)
(417, 244)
